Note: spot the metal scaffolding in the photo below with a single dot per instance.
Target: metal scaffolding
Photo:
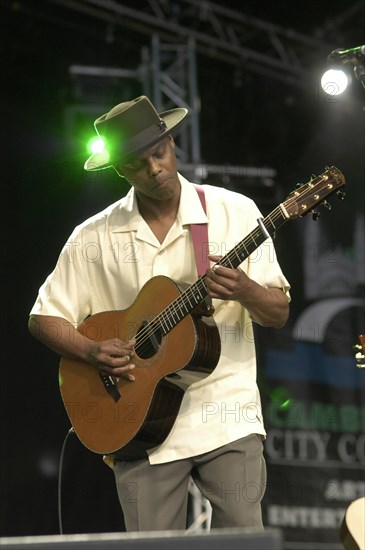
(168, 75)
(219, 32)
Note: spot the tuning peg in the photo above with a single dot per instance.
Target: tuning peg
(297, 185)
(315, 215)
(313, 176)
(359, 356)
(326, 205)
(340, 195)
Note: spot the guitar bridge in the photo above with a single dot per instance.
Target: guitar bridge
(110, 386)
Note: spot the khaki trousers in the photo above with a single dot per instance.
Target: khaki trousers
(232, 478)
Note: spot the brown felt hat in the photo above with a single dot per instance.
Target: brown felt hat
(130, 127)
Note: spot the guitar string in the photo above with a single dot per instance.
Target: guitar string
(163, 318)
(184, 299)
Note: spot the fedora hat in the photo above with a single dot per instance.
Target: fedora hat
(130, 127)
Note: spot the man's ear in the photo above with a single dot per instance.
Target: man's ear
(171, 140)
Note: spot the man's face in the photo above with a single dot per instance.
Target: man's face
(153, 172)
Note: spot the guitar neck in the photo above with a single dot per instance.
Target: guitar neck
(266, 227)
(197, 292)
(299, 203)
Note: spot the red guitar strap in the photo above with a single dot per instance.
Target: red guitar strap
(199, 233)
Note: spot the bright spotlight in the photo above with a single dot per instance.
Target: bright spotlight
(334, 81)
(96, 145)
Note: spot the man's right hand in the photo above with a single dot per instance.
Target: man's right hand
(113, 357)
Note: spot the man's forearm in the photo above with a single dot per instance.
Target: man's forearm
(59, 335)
(268, 307)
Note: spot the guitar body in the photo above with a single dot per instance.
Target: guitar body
(136, 416)
(352, 531)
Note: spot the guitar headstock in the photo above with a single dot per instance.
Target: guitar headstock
(309, 195)
(359, 350)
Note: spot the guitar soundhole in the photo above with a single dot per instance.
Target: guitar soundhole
(148, 341)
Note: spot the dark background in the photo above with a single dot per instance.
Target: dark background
(246, 119)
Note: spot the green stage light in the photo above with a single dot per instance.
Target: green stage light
(286, 404)
(96, 145)
(281, 396)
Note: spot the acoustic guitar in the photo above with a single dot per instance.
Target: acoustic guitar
(360, 351)
(352, 530)
(177, 344)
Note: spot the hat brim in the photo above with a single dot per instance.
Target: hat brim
(101, 160)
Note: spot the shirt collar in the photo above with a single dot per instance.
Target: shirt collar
(190, 209)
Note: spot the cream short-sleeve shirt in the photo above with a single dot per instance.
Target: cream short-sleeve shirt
(108, 259)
